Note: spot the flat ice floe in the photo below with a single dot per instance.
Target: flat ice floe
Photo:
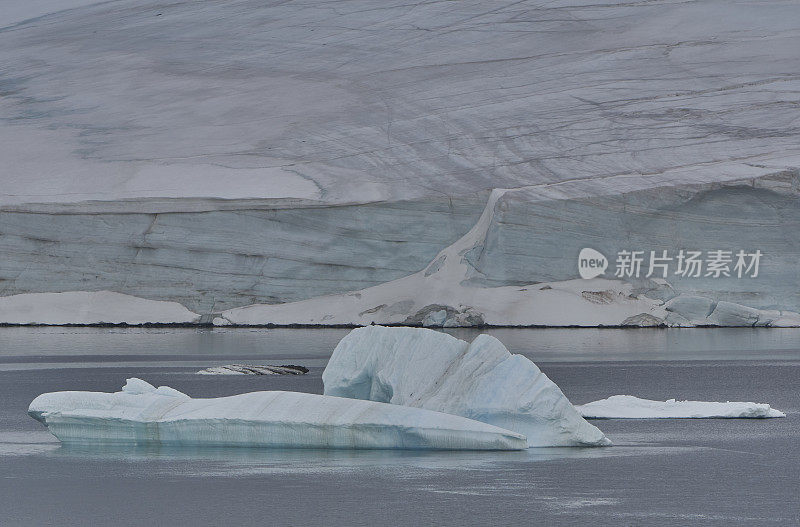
(630, 407)
(251, 369)
(481, 380)
(143, 414)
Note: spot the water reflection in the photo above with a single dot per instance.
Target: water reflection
(220, 461)
(294, 459)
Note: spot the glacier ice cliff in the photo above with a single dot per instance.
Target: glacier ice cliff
(481, 380)
(202, 156)
(630, 407)
(215, 260)
(525, 228)
(143, 414)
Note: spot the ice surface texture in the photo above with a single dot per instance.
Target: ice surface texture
(630, 407)
(121, 102)
(423, 368)
(141, 413)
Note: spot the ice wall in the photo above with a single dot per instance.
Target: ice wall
(215, 260)
(471, 281)
(535, 236)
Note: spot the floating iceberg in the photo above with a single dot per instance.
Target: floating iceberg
(630, 407)
(426, 369)
(141, 413)
(250, 369)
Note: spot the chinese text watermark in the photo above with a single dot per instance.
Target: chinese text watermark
(663, 264)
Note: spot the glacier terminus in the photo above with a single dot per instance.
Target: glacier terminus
(258, 181)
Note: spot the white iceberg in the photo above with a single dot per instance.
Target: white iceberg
(630, 407)
(141, 413)
(426, 369)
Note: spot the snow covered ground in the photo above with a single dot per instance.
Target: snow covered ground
(290, 158)
(143, 414)
(481, 380)
(102, 307)
(137, 99)
(630, 407)
(15, 11)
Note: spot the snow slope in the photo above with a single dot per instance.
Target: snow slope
(137, 99)
(142, 414)
(13, 12)
(630, 407)
(422, 368)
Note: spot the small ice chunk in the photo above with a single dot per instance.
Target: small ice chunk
(136, 386)
(247, 369)
(630, 407)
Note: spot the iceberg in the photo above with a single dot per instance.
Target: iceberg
(422, 368)
(250, 369)
(630, 407)
(144, 414)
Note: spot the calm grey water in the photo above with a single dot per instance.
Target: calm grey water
(669, 472)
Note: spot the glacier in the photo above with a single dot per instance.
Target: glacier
(144, 414)
(422, 368)
(630, 407)
(204, 157)
(452, 290)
